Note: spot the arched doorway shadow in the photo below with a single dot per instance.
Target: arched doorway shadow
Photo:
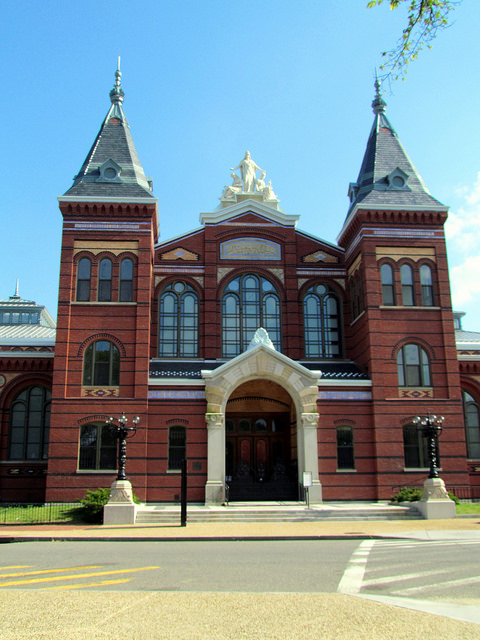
(261, 443)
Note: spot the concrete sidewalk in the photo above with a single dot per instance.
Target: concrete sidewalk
(327, 529)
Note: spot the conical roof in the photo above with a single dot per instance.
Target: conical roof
(387, 177)
(112, 168)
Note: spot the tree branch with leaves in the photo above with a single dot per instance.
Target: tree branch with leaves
(426, 18)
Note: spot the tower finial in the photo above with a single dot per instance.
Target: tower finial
(378, 105)
(117, 94)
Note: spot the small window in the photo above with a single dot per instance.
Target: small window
(415, 448)
(98, 447)
(83, 280)
(105, 280)
(29, 424)
(345, 459)
(126, 280)
(426, 284)
(406, 278)
(176, 447)
(413, 366)
(388, 289)
(472, 425)
(101, 364)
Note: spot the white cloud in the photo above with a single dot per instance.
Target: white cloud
(465, 281)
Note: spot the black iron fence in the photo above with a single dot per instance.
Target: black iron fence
(21, 513)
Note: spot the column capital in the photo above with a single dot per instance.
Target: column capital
(215, 420)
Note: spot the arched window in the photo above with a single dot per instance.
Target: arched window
(415, 448)
(98, 447)
(105, 280)
(249, 302)
(126, 280)
(84, 270)
(426, 285)
(345, 459)
(101, 364)
(29, 423)
(472, 425)
(388, 289)
(178, 323)
(321, 316)
(176, 447)
(406, 278)
(413, 366)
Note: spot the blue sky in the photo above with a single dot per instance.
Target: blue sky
(205, 81)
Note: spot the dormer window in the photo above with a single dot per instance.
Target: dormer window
(352, 191)
(110, 172)
(398, 180)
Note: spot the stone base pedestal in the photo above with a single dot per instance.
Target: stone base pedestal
(435, 503)
(120, 509)
(315, 493)
(214, 492)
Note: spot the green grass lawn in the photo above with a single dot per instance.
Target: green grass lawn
(466, 508)
(31, 514)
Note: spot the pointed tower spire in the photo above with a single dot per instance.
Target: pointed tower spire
(387, 177)
(112, 168)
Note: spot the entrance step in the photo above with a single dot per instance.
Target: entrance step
(275, 512)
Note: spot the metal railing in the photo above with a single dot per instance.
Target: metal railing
(47, 513)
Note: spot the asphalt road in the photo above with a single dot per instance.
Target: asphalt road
(434, 570)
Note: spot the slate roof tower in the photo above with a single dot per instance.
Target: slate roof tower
(110, 226)
(393, 235)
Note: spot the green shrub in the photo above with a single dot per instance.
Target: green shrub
(92, 505)
(407, 494)
(453, 497)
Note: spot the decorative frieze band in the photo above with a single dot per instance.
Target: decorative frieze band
(176, 395)
(344, 395)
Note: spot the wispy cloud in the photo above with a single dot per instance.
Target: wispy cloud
(463, 235)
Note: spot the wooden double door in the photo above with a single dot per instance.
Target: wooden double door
(259, 464)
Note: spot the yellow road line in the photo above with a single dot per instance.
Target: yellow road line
(80, 575)
(34, 573)
(85, 586)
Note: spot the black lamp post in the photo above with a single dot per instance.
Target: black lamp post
(431, 427)
(121, 431)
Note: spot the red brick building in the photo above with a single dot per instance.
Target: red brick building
(255, 350)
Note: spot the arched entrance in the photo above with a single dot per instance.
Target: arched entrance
(257, 364)
(260, 443)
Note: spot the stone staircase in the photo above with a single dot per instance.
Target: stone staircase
(275, 512)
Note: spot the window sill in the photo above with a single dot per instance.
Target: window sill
(174, 471)
(346, 471)
(97, 471)
(419, 469)
(406, 306)
(100, 303)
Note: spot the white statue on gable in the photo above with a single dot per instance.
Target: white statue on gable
(230, 191)
(248, 168)
(260, 182)
(261, 337)
(269, 193)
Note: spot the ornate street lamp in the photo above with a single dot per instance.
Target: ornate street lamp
(431, 428)
(122, 432)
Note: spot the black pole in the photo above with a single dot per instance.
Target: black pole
(183, 509)
(122, 453)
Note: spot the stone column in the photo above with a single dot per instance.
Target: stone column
(435, 502)
(309, 427)
(215, 487)
(120, 508)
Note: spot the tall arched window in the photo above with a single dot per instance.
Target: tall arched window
(248, 303)
(98, 447)
(178, 321)
(125, 293)
(321, 314)
(426, 285)
(388, 289)
(413, 366)
(472, 425)
(105, 280)
(406, 278)
(29, 423)
(84, 270)
(101, 364)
